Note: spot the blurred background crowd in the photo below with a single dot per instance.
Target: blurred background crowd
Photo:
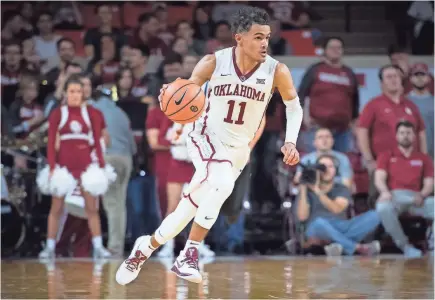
(125, 51)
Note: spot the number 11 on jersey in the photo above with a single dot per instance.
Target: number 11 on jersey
(229, 117)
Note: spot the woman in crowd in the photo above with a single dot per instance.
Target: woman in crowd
(25, 113)
(73, 131)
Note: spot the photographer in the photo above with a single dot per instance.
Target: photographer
(322, 204)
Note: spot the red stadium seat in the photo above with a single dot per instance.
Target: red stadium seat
(90, 18)
(300, 41)
(77, 36)
(179, 13)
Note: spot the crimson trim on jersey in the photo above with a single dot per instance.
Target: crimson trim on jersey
(190, 199)
(213, 150)
(238, 72)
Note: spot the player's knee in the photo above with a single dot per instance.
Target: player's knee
(222, 182)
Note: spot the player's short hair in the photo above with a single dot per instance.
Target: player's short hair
(246, 17)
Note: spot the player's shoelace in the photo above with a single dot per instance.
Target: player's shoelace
(191, 258)
(134, 262)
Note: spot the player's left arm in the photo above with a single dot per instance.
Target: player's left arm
(284, 83)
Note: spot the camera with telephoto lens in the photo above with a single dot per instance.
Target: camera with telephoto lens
(309, 171)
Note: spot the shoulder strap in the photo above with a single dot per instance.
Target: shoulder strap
(63, 116)
(85, 116)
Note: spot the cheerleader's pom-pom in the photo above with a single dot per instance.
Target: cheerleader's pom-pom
(94, 180)
(43, 181)
(110, 173)
(62, 182)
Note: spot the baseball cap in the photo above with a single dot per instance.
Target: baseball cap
(419, 68)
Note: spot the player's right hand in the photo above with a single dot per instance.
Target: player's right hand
(162, 91)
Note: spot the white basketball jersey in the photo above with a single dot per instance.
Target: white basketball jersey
(237, 102)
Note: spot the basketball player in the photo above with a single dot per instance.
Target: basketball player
(241, 82)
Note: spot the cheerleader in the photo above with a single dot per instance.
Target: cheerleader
(73, 130)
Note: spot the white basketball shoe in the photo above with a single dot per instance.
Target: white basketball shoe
(186, 266)
(130, 268)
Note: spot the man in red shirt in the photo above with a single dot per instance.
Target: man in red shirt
(329, 91)
(377, 122)
(404, 178)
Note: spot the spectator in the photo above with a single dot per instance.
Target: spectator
(180, 46)
(172, 68)
(223, 38)
(66, 55)
(323, 142)
(93, 38)
(323, 207)
(106, 69)
(224, 11)
(26, 10)
(46, 41)
(12, 67)
(31, 58)
(66, 15)
(119, 154)
(14, 27)
(277, 44)
(26, 114)
(147, 34)
(195, 46)
(422, 14)
(56, 99)
(203, 26)
(376, 126)
(142, 80)
(400, 57)
(155, 132)
(329, 90)
(156, 128)
(161, 13)
(292, 14)
(404, 178)
(424, 100)
(189, 63)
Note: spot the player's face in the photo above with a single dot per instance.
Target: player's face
(74, 94)
(255, 42)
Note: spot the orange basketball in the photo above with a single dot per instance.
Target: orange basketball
(183, 101)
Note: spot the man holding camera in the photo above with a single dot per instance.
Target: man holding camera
(322, 204)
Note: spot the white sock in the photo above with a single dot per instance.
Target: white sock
(170, 243)
(51, 243)
(190, 244)
(148, 250)
(97, 242)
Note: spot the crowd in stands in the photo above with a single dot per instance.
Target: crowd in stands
(125, 52)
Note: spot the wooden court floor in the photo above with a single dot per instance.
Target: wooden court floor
(225, 278)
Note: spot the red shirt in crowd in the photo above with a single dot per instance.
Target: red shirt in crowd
(108, 71)
(381, 115)
(405, 173)
(156, 119)
(333, 93)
